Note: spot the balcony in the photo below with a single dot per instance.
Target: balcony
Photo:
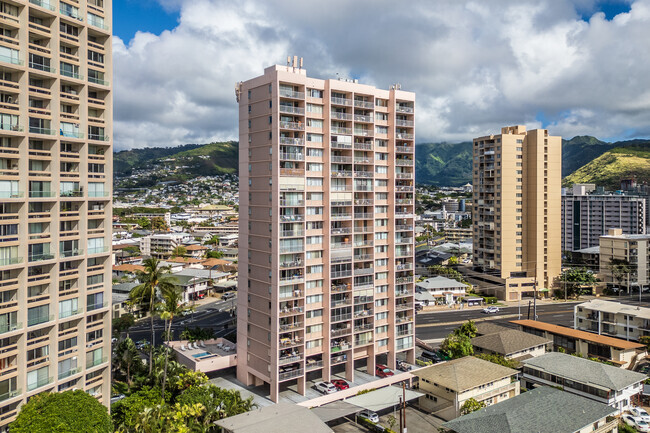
(40, 257)
(10, 394)
(293, 264)
(404, 149)
(341, 216)
(342, 173)
(404, 162)
(341, 116)
(363, 118)
(98, 137)
(291, 218)
(404, 109)
(340, 288)
(341, 317)
(95, 362)
(290, 93)
(292, 156)
(11, 59)
(363, 132)
(341, 130)
(403, 306)
(292, 141)
(289, 359)
(313, 365)
(290, 311)
(341, 101)
(9, 327)
(296, 126)
(291, 374)
(98, 250)
(69, 373)
(40, 319)
(97, 306)
(363, 146)
(363, 271)
(338, 359)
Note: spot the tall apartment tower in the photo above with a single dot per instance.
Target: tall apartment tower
(516, 213)
(587, 215)
(55, 199)
(326, 228)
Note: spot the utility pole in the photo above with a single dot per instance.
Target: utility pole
(404, 404)
(400, 415)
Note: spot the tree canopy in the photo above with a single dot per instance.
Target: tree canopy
(63, 412)
(471, 405)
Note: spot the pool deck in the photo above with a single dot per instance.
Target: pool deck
(215, 356)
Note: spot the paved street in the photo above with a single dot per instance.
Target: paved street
(437, 325)
(205, 316)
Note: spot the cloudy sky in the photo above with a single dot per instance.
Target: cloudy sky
(573, 66)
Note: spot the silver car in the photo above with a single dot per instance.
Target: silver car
(372, 416)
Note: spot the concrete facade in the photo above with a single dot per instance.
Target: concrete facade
(516, 211)
(55, 199)
(632, 249)
(326, 227)
(588, 216)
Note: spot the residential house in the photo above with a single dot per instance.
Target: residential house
(443, 289)
(448, 385)
(193, 287)
(509, 343)
(619, 352)
(615, 387)
(128, 271)
(196, 251)
(541, 410)
(277, 418)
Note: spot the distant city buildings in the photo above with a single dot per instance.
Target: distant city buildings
(516, 212)
(628, 322)
(632, 255)
(326, 229)
(588, 213)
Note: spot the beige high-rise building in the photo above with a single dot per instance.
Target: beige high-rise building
(55, 199)
(516, 214)
(326, 229)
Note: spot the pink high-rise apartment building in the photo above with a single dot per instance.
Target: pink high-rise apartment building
(326, 228)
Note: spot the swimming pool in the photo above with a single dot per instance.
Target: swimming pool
(201, 355)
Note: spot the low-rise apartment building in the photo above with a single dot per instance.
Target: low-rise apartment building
(612, 318)
(619, 352)
(630, 249)
(443, 288)
(509, 343)
(448, 385)
(162, 245)
(615, 387)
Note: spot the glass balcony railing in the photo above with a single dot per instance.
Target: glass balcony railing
(71, 253)
(71, 74)
(70, 12)
(42, 194)
(64, 374)
(71, 134)
(40, 257)
(10, 394)
(95, 362)
(72, 193)
(97, 193)
(39, 383)
(12, 60)
(44, 4)
(70, 313)
(37, 130)
(44, 318)
(98, 81)
(98, 137)
(95, 22)
(8, 327)
(10, 126)
(97, 250)
(97, 306)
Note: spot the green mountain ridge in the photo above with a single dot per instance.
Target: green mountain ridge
(627, 162)
(584, 159)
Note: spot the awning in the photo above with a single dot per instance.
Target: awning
(383, 398)
(335, 410)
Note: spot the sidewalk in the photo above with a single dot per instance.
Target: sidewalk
(503, 304)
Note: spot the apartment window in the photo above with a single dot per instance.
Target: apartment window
(381, 183)
(381, 262)
(314, 284)
(380, 156)
(381, 275)
(381, 209)
(313, 343)
(381, 129)
(381, 169)
(381, 289)
(381, 236)
(381, 302)
(381, 249)
(314, 181)
(381, 329)
(314, 299)
(38, 378)
(316, 269)
(315, 138)
(311, 255)
(383, 342)
(314, 108)
(314, 210)
(313, 328)
(313, 314)
(315, 93)
(315, 152)
(315, 123)
(312, 166)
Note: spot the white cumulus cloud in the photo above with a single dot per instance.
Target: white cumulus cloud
(475, 65)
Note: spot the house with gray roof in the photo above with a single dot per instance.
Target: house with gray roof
(541, 410)
(509, 343)
(443, 288)
(448, 385)
(277, 418)
(616, 387)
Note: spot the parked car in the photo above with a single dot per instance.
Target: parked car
(433, 356)
(640, 413)
(325, 387)
(340, 384)
(422, 361)
(637, 423)
(383, 371)
(372, 416)
(228, 296)
(403, 366)
(491, 310)
(141, 344)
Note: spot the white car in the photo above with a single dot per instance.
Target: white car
(325, 387)
(640, 413)
(491, 310)
(637, 423)
(373, 417)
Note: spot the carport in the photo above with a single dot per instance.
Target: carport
(335, 410)
(383, 398)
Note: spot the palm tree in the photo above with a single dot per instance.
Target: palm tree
(127, 359)
(171, 307)
(154, 279)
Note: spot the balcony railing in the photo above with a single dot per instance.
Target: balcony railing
(98, 250)
(299, 126)
(95, 362)
(98, 137)
(39, 257)
(69, 373)
(10, 261)
(10, 59)
(341, 101)
(9, 327)
(65, 314)
(404, 109)
(44, 4)
(292, 141)
(291, 374)
(10, 394)
(36, 130)
(71, 74)
(40, 319)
